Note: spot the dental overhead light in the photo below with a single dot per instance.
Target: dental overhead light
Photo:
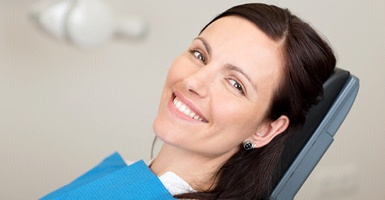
(85, 23)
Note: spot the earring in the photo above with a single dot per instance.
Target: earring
(248, 145)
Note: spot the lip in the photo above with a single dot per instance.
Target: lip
(188, 103)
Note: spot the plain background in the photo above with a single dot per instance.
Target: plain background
(63, 109)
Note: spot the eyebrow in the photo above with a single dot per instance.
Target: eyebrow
(205, 44)
(229, 67)
(239, 70)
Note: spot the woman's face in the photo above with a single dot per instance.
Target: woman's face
(218, 91)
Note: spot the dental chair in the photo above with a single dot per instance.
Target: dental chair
(303, 151)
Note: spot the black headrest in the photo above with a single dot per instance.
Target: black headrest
(332, 88)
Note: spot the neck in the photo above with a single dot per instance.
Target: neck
(199, 171)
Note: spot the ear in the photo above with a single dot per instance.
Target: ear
(270, 130)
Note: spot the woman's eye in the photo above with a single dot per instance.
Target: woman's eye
(236, 85)
(198, 55)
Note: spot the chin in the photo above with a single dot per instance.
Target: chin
(162, 129)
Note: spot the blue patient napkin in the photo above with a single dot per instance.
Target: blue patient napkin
(113, 179)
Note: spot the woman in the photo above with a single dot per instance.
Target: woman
(234, 97)
(231, 101)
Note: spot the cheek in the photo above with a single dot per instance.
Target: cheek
(179, 69)
(234, 114)
(238, 114)
(171, 75)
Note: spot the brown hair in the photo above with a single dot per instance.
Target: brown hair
(309, 61)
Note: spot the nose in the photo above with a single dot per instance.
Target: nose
(199, 82)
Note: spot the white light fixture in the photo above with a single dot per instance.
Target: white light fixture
(85, 23)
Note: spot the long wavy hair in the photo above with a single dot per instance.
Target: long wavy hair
(308, 62)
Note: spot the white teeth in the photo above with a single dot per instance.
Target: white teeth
(178, 104)
(186, 110)
(192, 114)
(182, 108)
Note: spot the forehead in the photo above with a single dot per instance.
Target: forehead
(238, 32)
(239, 42)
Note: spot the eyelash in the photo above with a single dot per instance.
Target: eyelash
(200, 56)
(237, 86)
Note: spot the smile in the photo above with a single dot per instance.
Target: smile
(183, 108)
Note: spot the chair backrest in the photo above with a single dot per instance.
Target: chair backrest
(303, 151)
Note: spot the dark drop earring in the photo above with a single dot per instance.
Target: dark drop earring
(248, 145)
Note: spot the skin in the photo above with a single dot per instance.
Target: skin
(228, 77)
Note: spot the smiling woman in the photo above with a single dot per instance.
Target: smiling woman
(219, 81)
(231, 100)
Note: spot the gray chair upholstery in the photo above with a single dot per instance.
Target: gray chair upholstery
(303, 151)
